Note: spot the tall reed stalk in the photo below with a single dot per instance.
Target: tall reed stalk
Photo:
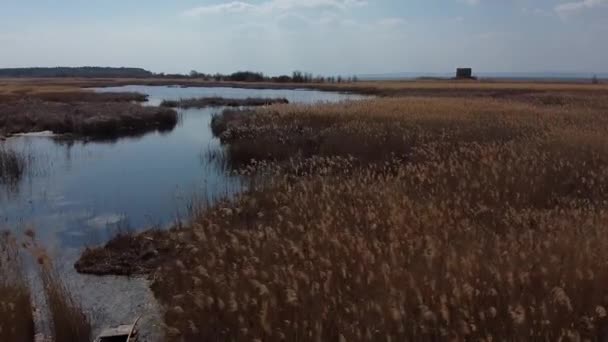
(16, 315)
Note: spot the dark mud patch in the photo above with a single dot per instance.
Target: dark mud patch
(129, 254)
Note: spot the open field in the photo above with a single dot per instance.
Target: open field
(402, 218)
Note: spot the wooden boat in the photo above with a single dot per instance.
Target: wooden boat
(121, 333)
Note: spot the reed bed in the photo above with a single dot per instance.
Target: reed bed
(486, 87)
(400, 219)
(221, 102)
(88, 119)
(68, 321)
(68, 96)
(16, 312)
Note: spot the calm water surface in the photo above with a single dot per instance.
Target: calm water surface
(80, 193)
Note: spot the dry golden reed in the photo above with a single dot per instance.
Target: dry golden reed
(16, 315)
(69, 322)
(402, 219)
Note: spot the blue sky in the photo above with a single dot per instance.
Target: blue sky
(320, 36)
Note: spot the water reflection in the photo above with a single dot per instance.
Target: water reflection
(80, 193)
(89, 188)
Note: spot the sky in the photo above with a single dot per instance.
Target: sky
(326, 37)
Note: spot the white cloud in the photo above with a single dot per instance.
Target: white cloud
(272, 6)
(231, 7)
(568, 8)
(471, 2)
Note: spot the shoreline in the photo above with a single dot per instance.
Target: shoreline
(376, 88)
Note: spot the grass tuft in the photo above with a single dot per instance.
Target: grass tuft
(16, 312)
(69, 321)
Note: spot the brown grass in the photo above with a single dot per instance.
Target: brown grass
(74, 96)
(382, 88)
(398, 219)
(98, 119)
(16, 318)
(69, 323)
(409, 219)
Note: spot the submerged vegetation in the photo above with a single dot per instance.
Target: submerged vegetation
(401, 219)
(221, 102)
(12, 165)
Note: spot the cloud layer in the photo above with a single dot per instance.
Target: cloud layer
(577, 6)
(271, 6)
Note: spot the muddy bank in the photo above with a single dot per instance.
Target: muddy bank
(83, 119)
(127, 254)
(223, 102)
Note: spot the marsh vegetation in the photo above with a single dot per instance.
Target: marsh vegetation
(68, 321)
(440, 211)
(16, 310)
(12, 165)
(86, 119)
(418, 218)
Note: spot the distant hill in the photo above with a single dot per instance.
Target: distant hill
(76, 72)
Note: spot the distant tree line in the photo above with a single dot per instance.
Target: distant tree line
(250, 76)
(109, 72)
(76, 72)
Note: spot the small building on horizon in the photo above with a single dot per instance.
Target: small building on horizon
(464, 73)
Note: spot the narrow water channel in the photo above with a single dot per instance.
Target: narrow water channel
(77, 194)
